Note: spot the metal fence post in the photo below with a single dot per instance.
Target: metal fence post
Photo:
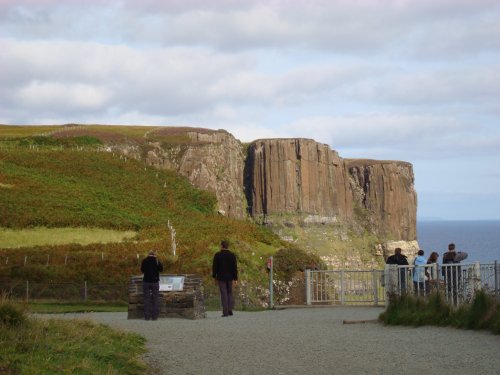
(27, 290)
(342, 289)
(375, 287)
(497, 292)
(85, 291)
(308, 287)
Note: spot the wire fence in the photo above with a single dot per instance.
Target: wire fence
(458, 283)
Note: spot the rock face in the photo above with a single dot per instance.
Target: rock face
(385, 190)
(294, 177)
(297, 176)
(211, 160)
(301, 176)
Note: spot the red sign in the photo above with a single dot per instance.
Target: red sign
(269, 262)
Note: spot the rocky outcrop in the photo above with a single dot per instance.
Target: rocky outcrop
(301, 176)
(211, 160)
(297, 176)
(384, 194)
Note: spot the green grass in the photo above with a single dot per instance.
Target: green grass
(15, 238)
(47, 192)
(47, 346)
(482, 313)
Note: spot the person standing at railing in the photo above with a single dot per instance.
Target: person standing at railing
(452, 274)
(431, 277)
(400, 260)
(419, 273)
(151, 268)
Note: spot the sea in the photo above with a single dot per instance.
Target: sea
(480, 239)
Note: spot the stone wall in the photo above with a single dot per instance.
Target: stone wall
(188, 303)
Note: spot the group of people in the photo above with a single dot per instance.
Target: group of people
(224, 272)
(422, 276)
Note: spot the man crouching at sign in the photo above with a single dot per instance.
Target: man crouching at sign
(224, 272)
(151, 268)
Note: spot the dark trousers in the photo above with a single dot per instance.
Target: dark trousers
(226, 296)
(151, 300)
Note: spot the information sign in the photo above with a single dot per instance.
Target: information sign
(171, 283)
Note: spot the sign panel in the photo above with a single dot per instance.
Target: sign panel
(171, 283)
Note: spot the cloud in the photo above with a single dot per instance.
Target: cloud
(55, 75)
(427, 29)
(402, 135)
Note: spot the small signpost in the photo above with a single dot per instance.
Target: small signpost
(270, 268)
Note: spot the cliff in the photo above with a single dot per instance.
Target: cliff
(211, 160)
(301, 176)
(385, 190)
(297, 176)
(297, 182)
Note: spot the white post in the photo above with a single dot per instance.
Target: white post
(308, 287)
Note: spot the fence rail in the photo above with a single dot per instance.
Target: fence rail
(458, 282)
(344, 287)
(84, 291)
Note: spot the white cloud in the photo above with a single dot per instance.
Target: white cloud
(68, 96)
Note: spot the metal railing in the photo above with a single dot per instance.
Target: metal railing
(457, 282)
(344, 287)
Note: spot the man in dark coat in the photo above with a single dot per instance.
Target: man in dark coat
(400, 260)
(151, 268)
(225, 272)
(452, 273)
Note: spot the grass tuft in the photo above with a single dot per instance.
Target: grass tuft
(482, 313)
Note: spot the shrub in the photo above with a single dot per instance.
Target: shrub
(288, 261)
(11, 314)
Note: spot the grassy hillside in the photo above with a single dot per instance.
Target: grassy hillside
(52, 183)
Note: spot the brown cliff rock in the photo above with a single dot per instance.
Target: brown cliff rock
(296, 176)
(301, 176)
(211, 160)
(385, 191)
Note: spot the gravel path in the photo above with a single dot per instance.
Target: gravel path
(301, 341)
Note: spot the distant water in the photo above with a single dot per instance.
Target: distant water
(481, 239)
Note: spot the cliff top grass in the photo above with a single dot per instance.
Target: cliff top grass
(104, 134)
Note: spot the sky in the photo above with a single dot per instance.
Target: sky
(417, 81)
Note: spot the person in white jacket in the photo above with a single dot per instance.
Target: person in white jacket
(419, 273)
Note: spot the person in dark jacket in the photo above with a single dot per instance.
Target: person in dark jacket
(151, 268)
(400, 260)
(452, 273)
(225, 272)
